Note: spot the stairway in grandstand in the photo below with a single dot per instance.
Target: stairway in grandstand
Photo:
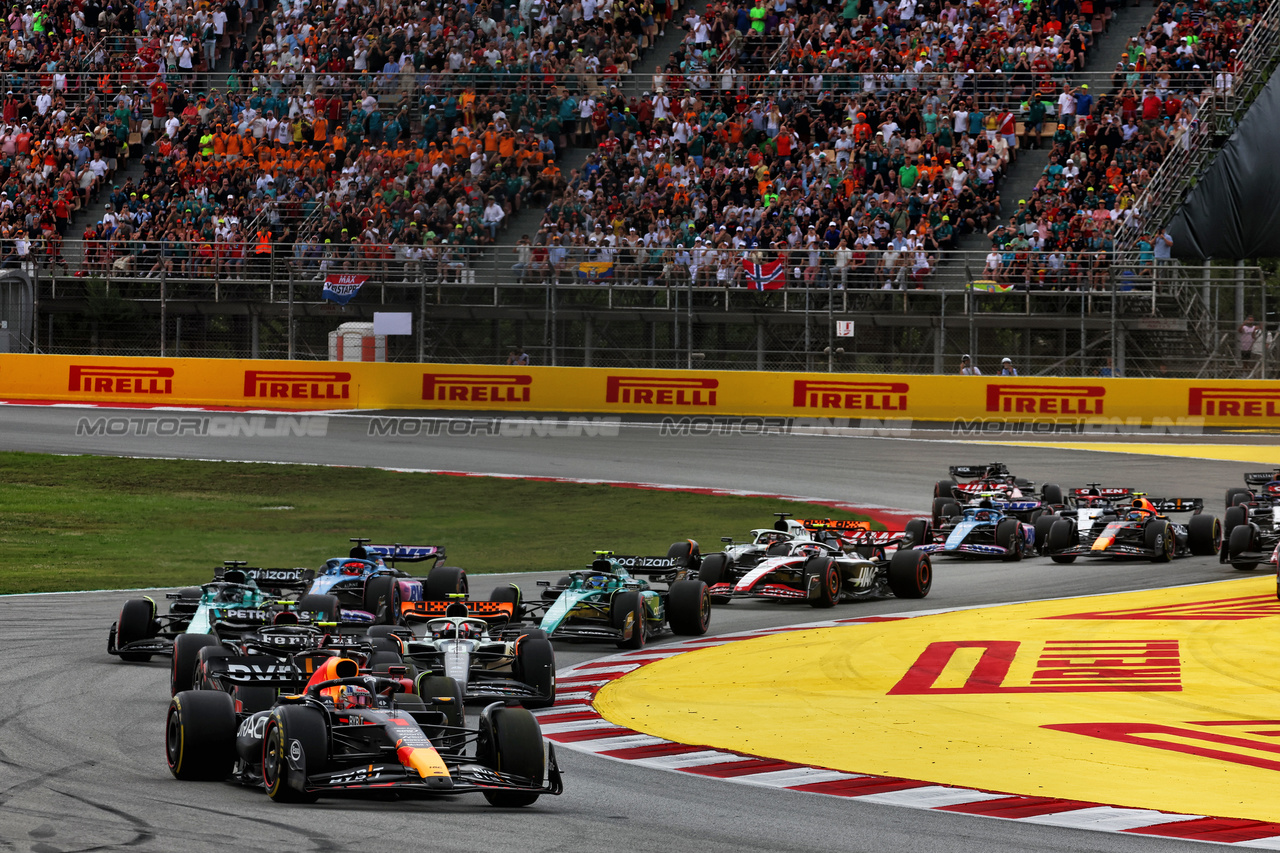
(1025, 172)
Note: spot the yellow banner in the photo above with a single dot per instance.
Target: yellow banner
(310, 385)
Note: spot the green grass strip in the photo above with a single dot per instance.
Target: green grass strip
(87, 522)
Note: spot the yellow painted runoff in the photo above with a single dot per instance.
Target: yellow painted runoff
(1166, 699)
(843, 398)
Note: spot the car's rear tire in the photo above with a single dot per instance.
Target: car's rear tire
(1061, 536)
(939, 511)
(443, 694)
(200, 735)
(910, 574)
(1042, 525)
(829, 581)
(1158, 536)
(919, 531)
(689, 608)
(1204, 535)
(444, 581)
(1234, 495)
(685, 555)
(382, 599)
(552, 592)
(326, 607)
(1051, 493)
(1243, 538)
(1009, 537)
(950, 510)
(514, 746)
(1233, 518)
(536, 667)
(290, 724)
(945, 489)
(715, 569)
(627, 609)
(185, 649)
(137, 622)
(509, 593)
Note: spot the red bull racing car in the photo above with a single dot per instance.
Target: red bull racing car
(1140, 530)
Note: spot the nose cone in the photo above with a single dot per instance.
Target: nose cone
(428, 765)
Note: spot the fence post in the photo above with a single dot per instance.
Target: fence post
(289, 316)
(688, 327)
(35, 310)
(422, 312)
(1263, 329)
(164, 317)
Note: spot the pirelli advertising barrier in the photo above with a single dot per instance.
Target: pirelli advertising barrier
(310, 386)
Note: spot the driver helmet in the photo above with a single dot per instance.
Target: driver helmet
(594, 582)
(1144, 505)
(349, 696)
(353, 568)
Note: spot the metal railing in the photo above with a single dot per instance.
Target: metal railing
(675, 308)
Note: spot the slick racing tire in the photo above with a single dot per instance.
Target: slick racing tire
(1009, 536)
(185, 649)
(1061, 536)
(509, 593)
(940, 508)
(206, 666)
(689, 608)
(627, 609)
(1158, 536)
(715, 569)
(443, 694)
(829, 581)
(1244, 538)
(325, 607)
(910, 574)
(444, 581)
(945, 489)
(298, 732)
(685, 555)
(137, 622)
(200, 735)
(1233, 518)
(1051, 494)
(552, 592)
(950, 510)
(1204, 535)
(1236, 495)
(536, 667)
(1043, 524)
(382, 599)
(513, 745)
(919, 531)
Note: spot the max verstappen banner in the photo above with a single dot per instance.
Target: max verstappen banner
(342, 287)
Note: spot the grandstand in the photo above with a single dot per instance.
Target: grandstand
(215, 163)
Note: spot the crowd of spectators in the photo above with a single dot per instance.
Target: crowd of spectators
(351, 132)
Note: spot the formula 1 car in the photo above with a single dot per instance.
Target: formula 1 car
(982, 531)
(1087, 506)
(348, 732)
(992, 486)
(1259, 486)
(477, 644)
(609, 602)
(823, 573)
(1251, 529)
(367, 580)
(1139, 531)
(238, 599)
(257, 666)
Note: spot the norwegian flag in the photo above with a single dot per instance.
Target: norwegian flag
(766, 276)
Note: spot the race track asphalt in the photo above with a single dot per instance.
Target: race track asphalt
(81, 734)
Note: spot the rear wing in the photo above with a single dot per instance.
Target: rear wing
(282, 579)
(1261, 478)
(974, 472)
(1105, 494)
(403, 553)
(838, 524)
(495, 613)
(1177, 504)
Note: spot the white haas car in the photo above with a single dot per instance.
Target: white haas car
(819, 562)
